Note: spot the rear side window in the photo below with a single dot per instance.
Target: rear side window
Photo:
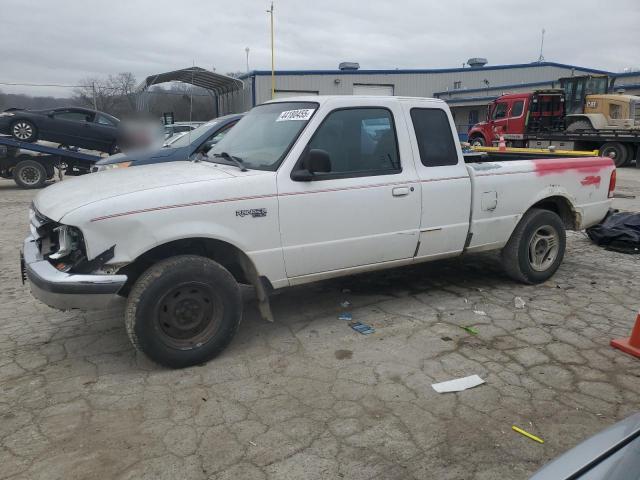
(105, 120)
(433, 133)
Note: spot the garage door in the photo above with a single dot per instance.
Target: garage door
(363, 89)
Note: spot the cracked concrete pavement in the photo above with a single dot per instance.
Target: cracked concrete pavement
(307, 397)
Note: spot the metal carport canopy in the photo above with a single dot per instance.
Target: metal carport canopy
(197, 76)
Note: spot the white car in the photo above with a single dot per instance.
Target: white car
(300, 190)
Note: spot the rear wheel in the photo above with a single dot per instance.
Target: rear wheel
(24, 131)
(29, 174)
(536, 247)
(631, 154)
(617, 151)
(183, 311)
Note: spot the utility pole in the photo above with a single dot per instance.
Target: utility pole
(247, 52)
(93, 90)
(273, 72)
(541, 57)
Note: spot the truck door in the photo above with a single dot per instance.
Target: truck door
(499, 116)
(366, 209)
(514, 127)
(444, 181)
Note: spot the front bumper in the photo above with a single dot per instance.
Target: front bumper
(66, 291)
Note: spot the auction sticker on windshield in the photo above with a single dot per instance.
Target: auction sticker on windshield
(300, 114)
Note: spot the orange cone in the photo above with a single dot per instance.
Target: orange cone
(630, 345)
(502, 145)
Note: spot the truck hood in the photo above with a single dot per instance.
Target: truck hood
(58, 200)
(147, 154)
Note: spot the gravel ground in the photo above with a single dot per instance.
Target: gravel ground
(307, 397)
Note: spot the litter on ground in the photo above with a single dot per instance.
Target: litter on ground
(482, 313)
(362, 328)
(345, 316)
(519, 302)
(527, 434)
(470, 330)
(458, 385)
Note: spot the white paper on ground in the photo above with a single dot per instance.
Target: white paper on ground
(458, 384)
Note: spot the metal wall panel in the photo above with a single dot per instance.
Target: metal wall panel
(413, 84)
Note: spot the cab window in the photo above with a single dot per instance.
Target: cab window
(359, 141)
(500, 111)
(517, 108)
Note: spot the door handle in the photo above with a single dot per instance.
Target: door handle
(400, 191)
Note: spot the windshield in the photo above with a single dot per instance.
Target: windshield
(263, 137)
(185, 138)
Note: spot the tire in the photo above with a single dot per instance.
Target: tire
(114, 149)
(631, 154)
(534, 229)
(24, 131)
(183, 311)
(477, 141)
(29, 174)
(617, 151)
(579, 125)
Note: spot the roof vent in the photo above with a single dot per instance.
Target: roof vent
(349, 66)
(477, 62)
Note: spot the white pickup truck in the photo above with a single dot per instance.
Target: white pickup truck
(299, 190)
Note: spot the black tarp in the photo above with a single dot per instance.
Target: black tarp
(619, 231)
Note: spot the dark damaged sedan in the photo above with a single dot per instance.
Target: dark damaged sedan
(72, 126)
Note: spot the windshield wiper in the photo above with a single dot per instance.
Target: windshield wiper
(237, 161)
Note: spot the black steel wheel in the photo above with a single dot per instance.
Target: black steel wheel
(24, 131)
(189, 314)
(183, 311)
(29, 174)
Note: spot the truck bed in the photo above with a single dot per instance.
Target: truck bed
(493, 154)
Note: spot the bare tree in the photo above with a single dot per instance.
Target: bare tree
(114, 94)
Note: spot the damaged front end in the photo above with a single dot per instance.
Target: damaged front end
(55, 262)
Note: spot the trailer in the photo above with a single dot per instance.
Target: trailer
(621, 145)
(32, 170)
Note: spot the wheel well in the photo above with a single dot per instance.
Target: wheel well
(229, 256)
(562, 207)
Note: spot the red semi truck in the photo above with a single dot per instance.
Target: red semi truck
(538, 120)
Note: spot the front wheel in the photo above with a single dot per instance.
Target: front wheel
(536, 247)
(183, 311)
(477, 141)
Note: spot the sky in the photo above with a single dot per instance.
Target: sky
(65, 41)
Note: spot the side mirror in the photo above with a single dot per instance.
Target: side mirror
(315, 161)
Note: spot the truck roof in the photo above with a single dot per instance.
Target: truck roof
(355, 99)
(549, 91)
